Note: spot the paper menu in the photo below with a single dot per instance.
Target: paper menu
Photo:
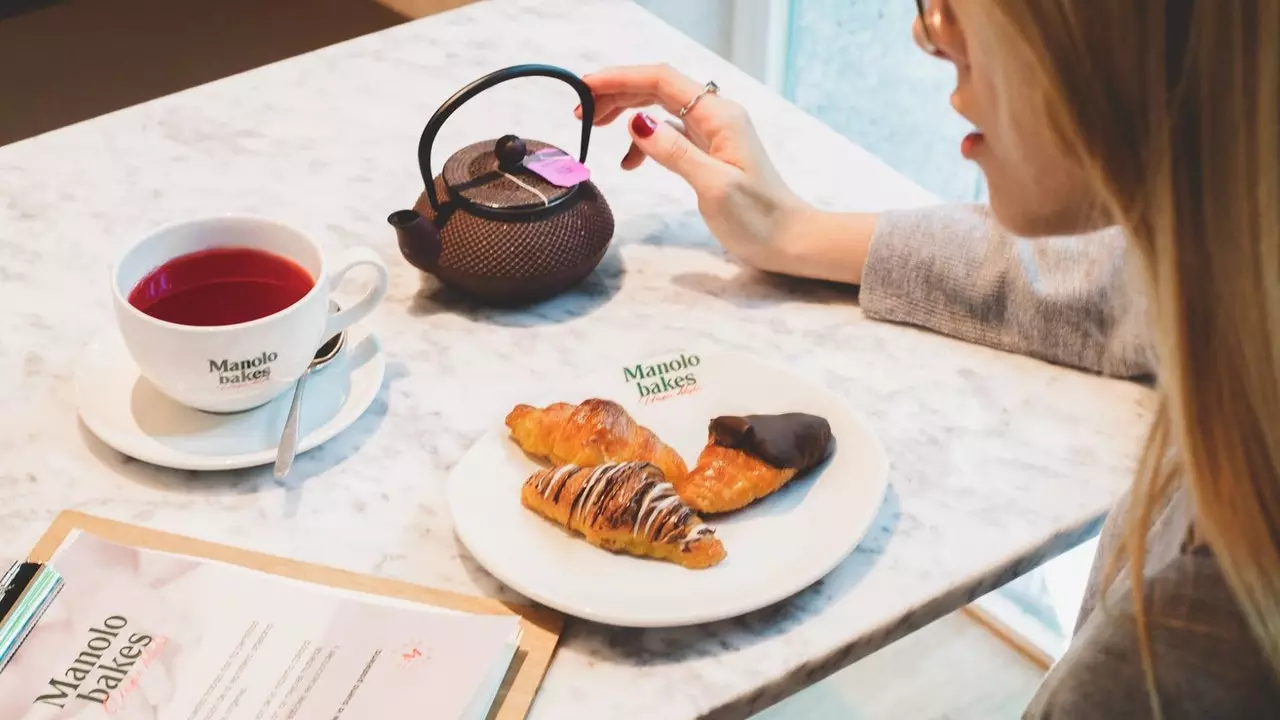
(145, 634)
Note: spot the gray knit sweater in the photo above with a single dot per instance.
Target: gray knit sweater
(1074, 301)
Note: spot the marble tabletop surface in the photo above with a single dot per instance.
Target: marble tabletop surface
(998, 461)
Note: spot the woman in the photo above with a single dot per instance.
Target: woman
(1149, 127)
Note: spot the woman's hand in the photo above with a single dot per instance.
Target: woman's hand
(717, 151)
(742, 197)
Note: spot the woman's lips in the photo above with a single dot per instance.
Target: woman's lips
(971, 144)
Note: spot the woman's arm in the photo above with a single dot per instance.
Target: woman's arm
(1069, 300)
(952, 270)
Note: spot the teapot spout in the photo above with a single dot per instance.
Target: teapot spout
(419, 239)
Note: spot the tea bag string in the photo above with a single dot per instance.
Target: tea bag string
(530, 188)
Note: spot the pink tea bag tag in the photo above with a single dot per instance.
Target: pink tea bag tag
(557, 167)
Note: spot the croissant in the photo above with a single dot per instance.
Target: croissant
(624, 507)
(593, 433)
(748, 458)
(726, 479)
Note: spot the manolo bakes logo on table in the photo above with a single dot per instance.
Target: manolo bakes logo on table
(235, 373)
(664, 380)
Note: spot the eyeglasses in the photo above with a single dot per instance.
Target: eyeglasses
(924, 26)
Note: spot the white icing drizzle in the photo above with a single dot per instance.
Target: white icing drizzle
(655, 507)
(695, 531)
(553, 481)
(698, 532)
(641, 527)
(589, 493)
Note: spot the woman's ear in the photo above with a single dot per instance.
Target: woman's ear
(942, 34)
(923, 41)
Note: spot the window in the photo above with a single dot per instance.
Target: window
(853, 65)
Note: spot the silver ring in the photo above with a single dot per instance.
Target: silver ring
(710, 89)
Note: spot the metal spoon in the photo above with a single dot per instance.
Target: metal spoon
(289, 440)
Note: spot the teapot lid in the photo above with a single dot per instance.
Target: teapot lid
(487, 175)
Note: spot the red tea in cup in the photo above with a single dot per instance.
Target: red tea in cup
(221, 286)
(224, 314)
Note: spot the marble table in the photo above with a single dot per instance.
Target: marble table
(998, 462)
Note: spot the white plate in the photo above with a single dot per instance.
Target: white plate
(128, 413)
(776, 547)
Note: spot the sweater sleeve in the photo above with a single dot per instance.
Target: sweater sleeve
(1069, 300)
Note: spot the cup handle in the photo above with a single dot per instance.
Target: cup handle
(345, 318)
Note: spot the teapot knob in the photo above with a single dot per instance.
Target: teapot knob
(510, 151)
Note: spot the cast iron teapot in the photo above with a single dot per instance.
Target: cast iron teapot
(493, 229)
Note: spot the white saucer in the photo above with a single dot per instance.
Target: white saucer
(128, 413)
(776, 548)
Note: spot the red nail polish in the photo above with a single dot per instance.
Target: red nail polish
(643, 125)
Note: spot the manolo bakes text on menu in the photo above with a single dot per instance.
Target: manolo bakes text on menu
(109, 657)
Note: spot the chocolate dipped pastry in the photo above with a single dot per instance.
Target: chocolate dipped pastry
(594, 432)
(624, 507)
(748, 458)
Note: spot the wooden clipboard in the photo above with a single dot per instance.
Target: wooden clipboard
(537, 645)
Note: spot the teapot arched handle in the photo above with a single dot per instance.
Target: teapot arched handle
(462, 96)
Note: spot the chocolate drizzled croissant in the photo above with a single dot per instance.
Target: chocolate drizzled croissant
(624, 507)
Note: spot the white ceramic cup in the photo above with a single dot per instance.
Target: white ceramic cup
(230, 368)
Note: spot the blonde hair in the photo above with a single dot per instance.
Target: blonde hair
(1173, 107)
